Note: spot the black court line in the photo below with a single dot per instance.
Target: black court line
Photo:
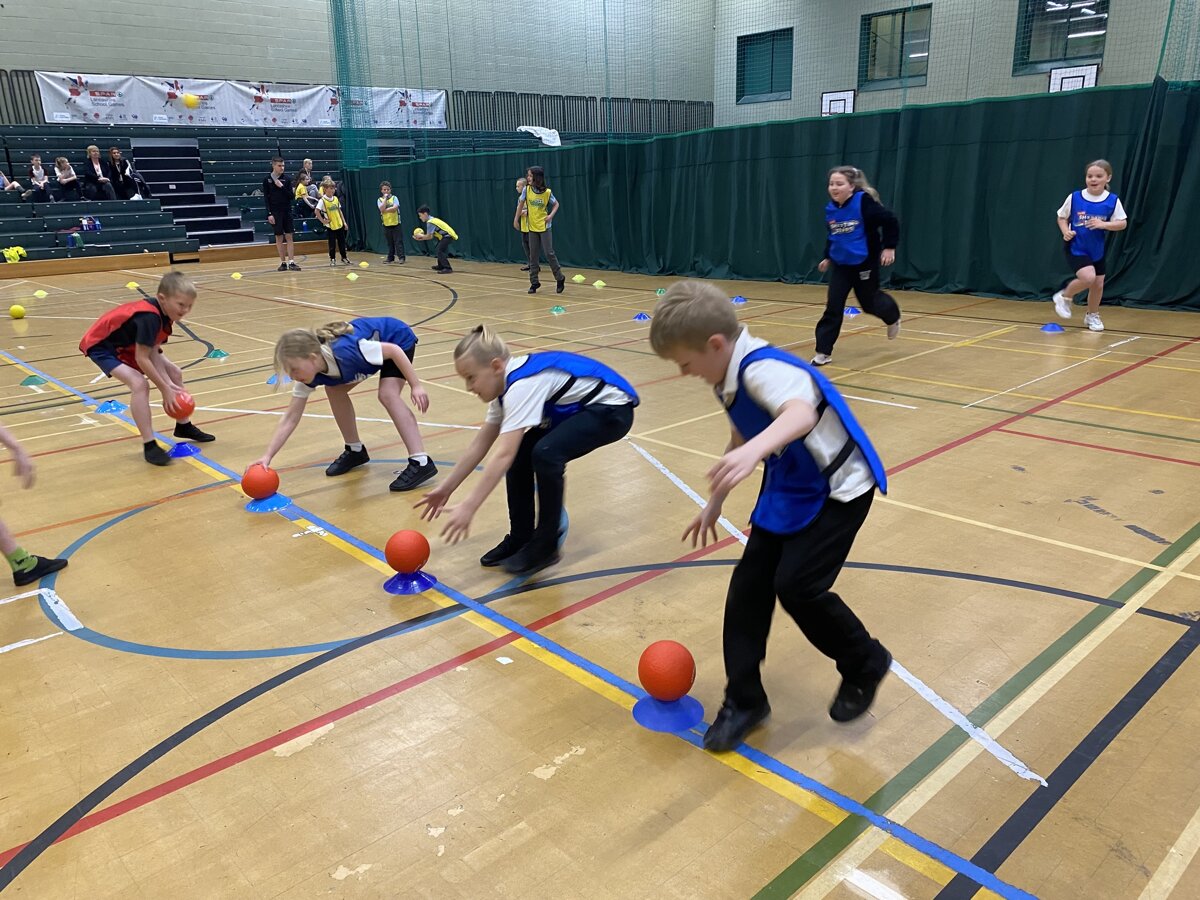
(1009, 836)
(43, 841)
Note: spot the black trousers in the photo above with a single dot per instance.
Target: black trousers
(443, 252)
(542, 459)
(337, 240)
(799, 569)
(542, 242)
(864, 280)
(395, 248)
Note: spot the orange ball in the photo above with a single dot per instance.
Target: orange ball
(185, 405)
(260, 482)
(666, 670)
(407, 551)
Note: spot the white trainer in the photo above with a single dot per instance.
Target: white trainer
(894, 330)
(822, 359)
(1062, 305)
(1093, 322)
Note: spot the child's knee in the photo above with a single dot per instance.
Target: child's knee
(547, 462)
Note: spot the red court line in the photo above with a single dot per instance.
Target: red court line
(262, 746)
(220, 764)
(996, 426)
(1058, 440)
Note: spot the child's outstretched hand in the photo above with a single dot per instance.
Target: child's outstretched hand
(24, 467)
(704, 525)
(458, 523)
(731, 469)
(420, 399)
(433, 503)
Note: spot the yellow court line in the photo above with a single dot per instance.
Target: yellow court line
(1091, 551)
(915, 800)
(805, 799)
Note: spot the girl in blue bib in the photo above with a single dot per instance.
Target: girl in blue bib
(853, 254)
(340, 356)
(1083, 219)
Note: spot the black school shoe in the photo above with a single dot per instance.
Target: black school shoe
(155, 455)
(533, 287)
(532, 558)
(349, 459)
(41, 569)
(560, 285)
(414, 476)
(854, 698)
(501, 551)
(282, 267)
(189, 432)
(292, 267)
(732, 724)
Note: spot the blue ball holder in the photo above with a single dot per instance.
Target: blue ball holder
(274, 503)
(111, 406)
(1052, 328)
(668, 716)
(182, 450)
(403, 583)
(853, 311)
(738, 300)
(641, 317)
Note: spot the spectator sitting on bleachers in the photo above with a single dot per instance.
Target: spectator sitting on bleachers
(306, 168)
(68, 182)
(7, 184)
(122, 175)
(39, 182)
(97, 177)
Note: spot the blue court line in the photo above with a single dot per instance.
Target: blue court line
(850, 806)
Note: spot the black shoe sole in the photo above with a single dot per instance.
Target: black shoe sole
(544, 563)
(845, 720)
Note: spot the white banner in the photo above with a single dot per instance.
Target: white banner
(144, 100)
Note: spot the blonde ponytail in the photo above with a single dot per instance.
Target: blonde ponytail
(327, 333)
(302, 343)
(482, 345)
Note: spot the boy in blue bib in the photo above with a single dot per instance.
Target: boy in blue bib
(821, 475)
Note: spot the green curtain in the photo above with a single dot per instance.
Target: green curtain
(976, 186)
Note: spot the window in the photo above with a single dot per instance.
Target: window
(894, 49)
(1050, 32)
(764, 66)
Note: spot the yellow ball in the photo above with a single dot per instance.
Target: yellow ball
(191, 101)
(16, 311)
(417, 232)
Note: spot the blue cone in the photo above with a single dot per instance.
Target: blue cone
(853, 311)
(641, 317)
(675, 716)
(111, 406)
(275, 378)
(409, 583)
(180, 450)
(274, 503)
(739, 300)
(1052, 328)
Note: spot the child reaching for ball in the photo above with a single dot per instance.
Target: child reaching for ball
(339, 356)
(544, 409)
(821, 474)
(126, 344)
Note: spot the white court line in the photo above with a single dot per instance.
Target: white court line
(21, 596)
(1175, 863)
(872, 887)
(62, 613)
(1126, 341)
(280, 412)
(915, 800)
(9, 647)
(696, 498)
(928, 694)
(880, 402)
(1036, 380)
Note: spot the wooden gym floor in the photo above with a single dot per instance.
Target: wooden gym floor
(214, 703)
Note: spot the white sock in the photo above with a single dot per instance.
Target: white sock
(357, 448)
(419, 458)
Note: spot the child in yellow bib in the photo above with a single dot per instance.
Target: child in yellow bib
(389, 214)
(539, 204)
(329, 211)
(436, 230)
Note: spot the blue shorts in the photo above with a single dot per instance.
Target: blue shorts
(106, 358)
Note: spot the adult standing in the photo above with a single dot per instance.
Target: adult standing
(277, 193)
